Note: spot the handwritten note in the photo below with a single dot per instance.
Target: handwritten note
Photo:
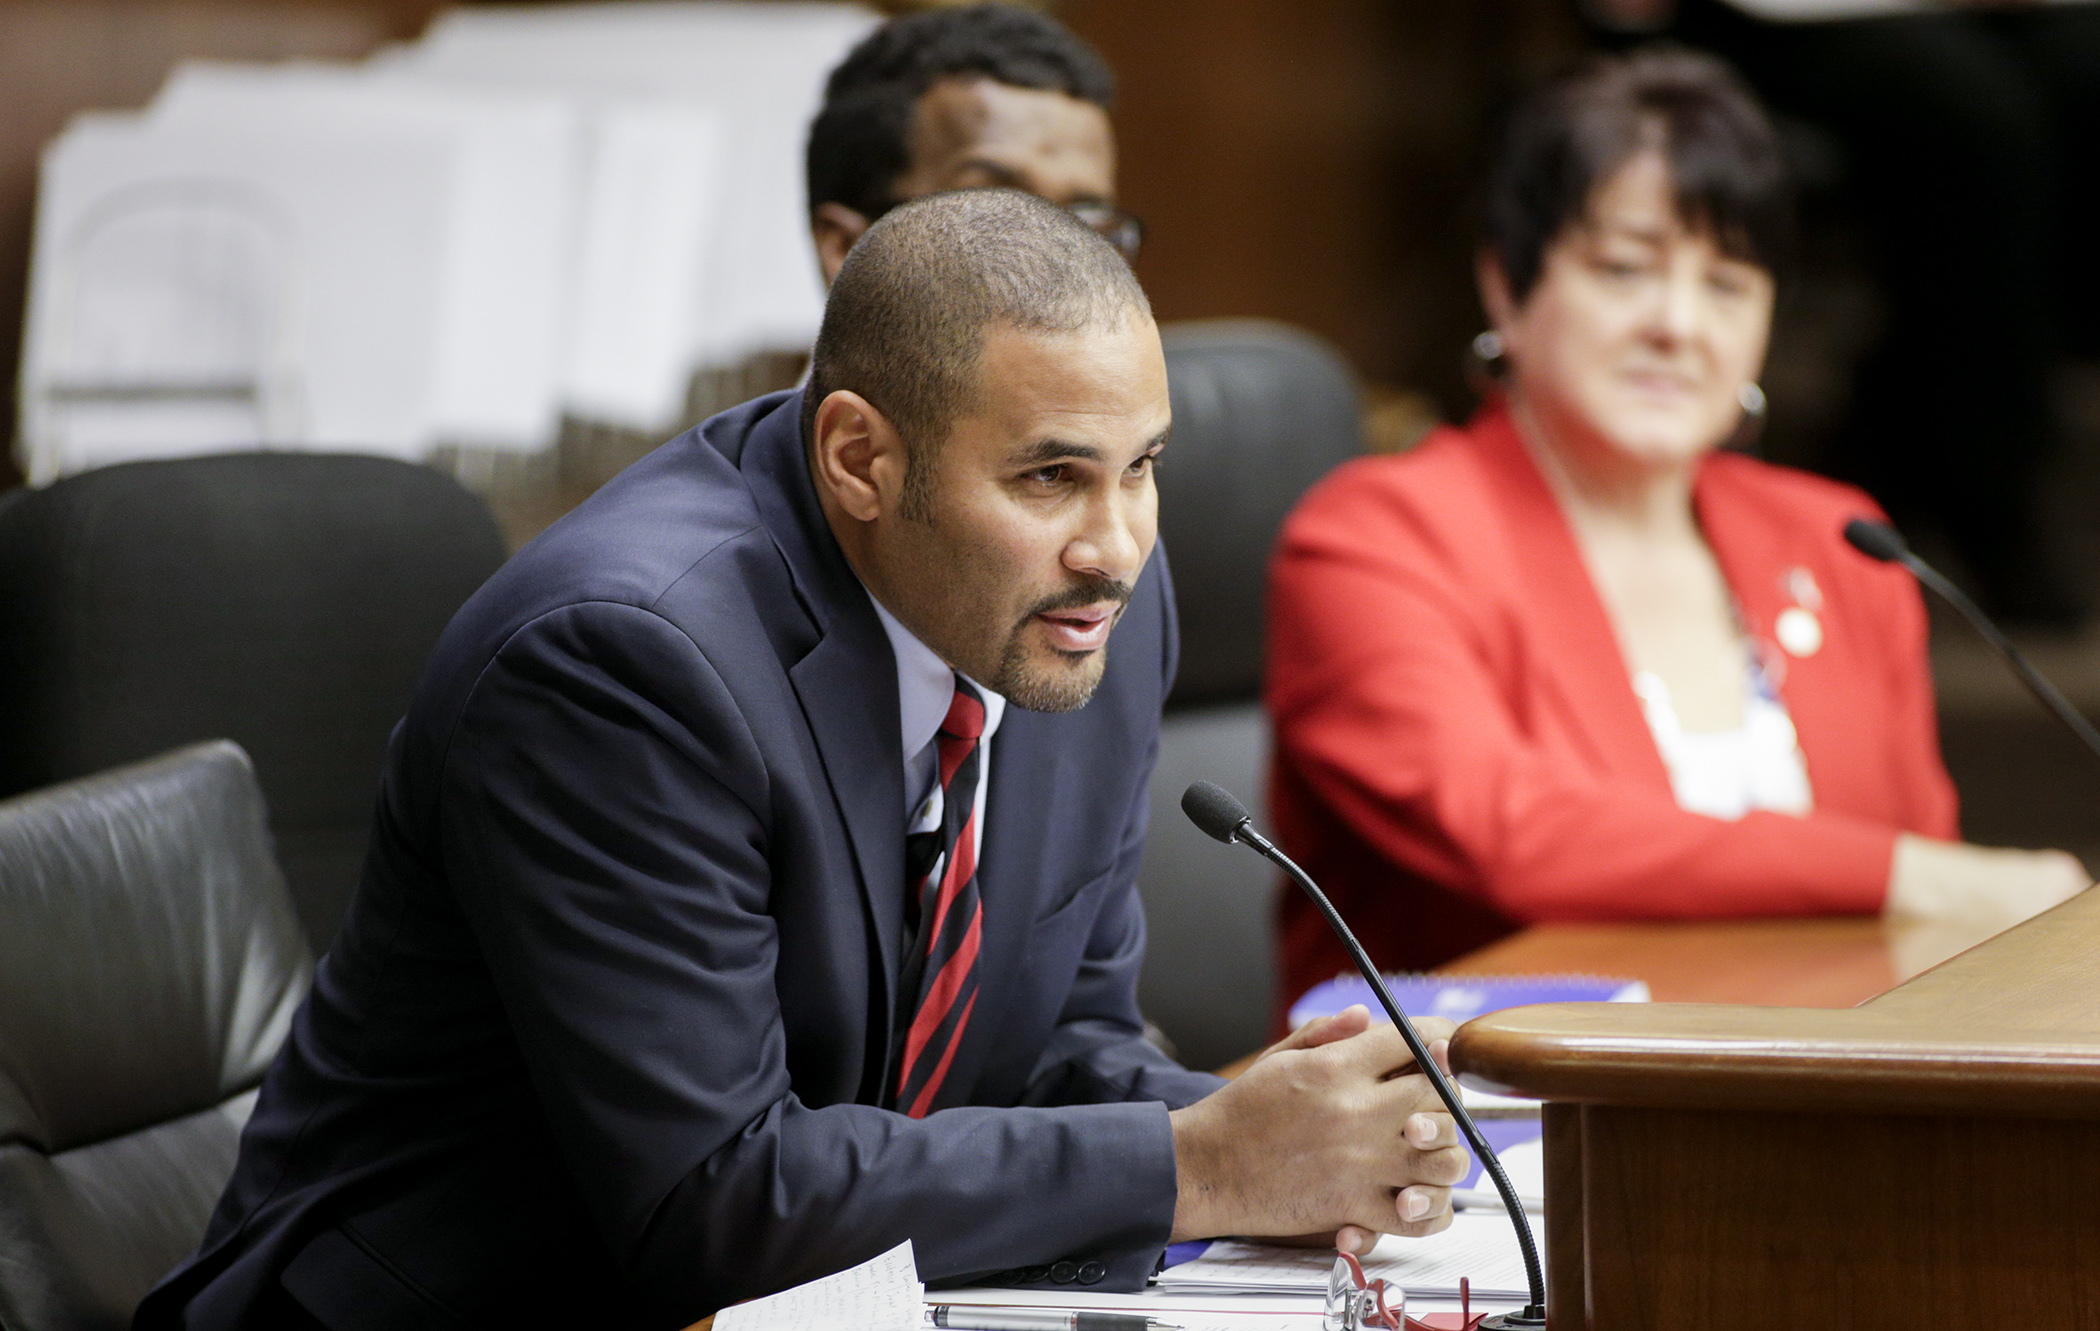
(879, 1295)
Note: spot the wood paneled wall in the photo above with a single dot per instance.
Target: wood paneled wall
(1314, 160)
(1307, 160)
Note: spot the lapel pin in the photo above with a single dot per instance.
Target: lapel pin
(1800, 632)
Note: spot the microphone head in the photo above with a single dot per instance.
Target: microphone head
(1876, 540)
(1213, 809)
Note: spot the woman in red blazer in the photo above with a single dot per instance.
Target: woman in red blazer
(1506, 668)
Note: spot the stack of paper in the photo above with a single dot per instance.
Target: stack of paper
(883, 1294)
(1481, 1248)
(530, 212)
(505, 254)
(199, 288)
(714, 100)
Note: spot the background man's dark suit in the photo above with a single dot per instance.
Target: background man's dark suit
(602, 1033)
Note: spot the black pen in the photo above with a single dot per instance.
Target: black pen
(961, 1318)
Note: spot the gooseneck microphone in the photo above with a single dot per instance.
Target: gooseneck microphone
(1878, 540)
(1219, 815)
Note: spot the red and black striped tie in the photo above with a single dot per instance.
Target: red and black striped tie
(939, 980)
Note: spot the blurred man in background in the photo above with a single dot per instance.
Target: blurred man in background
(963, 98)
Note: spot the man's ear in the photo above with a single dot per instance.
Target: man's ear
(836, 229)
(858, 459)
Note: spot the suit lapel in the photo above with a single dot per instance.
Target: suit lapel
(847, 688)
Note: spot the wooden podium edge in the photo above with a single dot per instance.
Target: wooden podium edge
(1928, 1158)
(2009, 1028)
(1694, 1056)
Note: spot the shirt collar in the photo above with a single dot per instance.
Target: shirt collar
(926, 686)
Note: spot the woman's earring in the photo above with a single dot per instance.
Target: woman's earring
(1751, 399)
(1488, 364)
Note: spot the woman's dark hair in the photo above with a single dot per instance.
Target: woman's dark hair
(1573, 135)
(858, 144)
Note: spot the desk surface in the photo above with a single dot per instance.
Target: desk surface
(1826, 962)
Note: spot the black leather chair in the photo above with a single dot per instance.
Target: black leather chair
(150, 962)
(1261, 411)
(284, 600)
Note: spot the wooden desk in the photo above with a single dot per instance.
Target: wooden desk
(1834, 961)
(1929, 1158)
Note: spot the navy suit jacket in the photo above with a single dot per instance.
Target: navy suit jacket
(605, 1031)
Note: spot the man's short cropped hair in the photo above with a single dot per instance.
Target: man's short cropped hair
(1571, 137)
(859, 144)
(905, 322)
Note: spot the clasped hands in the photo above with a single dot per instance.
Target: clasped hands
(1333, 1131)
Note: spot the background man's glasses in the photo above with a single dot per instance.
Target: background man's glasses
(1125, 231)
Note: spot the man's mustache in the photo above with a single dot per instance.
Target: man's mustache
(1080, 595)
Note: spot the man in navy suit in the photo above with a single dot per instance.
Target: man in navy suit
(752, 885)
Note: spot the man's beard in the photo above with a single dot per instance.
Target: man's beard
(1066, 687)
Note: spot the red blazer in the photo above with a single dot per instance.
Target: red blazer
(1459, 748)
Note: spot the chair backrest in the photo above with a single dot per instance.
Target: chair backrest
(1261, 411)
(1210, 964)
(285, 601)
(150, 963)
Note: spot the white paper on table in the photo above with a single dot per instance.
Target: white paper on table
(1255, 1313)
(1480, 1247)
(1525, 1165)
(1193, 1312)
(1238, 1317)
(1166, 1305)
(881, 1294)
